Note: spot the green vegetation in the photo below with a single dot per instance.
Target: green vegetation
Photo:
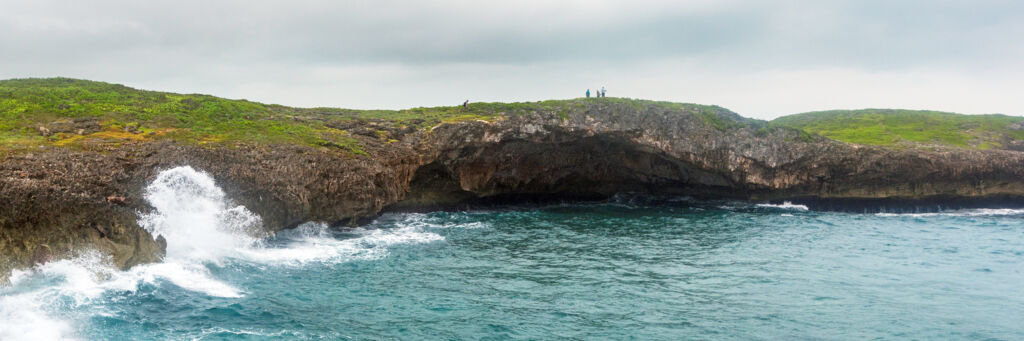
(419, 118)
(31, 108)
(84, 114)
(718, 118)
(711, 115)
(27, 106)
(887, 127)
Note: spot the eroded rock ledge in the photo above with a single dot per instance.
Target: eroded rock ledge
(55, 201)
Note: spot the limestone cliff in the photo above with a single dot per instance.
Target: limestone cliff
(55, 200)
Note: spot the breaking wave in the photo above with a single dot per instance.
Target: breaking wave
(203, 230)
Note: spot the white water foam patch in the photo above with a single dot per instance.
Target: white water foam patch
(191, 277)
(193, 215)
(981, 212)
(61, 285)
(200, 227)
(22, 318)
(314, 243)
(243, 333)
(786, 205)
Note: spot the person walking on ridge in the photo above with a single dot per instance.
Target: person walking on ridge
(588, 93)
(465, 105)
(602, 92)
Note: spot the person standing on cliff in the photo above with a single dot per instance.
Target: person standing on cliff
(602, 92)
(588, 93)
(465, 105)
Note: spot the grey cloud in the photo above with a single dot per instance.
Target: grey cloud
(212, 44)
(858, 33)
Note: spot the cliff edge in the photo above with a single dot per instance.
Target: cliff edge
(75, 157)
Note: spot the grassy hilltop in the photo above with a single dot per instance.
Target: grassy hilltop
(87, 114)
(889, 127)
(114, 114)
(126, 114)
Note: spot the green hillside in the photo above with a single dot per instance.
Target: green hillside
(889, 127)
(123, 113)
(126, 114)
(87, 114)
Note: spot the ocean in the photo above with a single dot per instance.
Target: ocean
(627, 268)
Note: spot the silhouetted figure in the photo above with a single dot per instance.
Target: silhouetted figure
(588, 93)
(465, 105)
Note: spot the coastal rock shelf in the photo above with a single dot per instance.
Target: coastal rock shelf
(84, 189)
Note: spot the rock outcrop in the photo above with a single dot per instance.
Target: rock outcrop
(54, 201)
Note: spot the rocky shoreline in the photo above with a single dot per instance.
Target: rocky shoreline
(57, 200)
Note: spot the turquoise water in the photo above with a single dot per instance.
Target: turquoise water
(618, 270)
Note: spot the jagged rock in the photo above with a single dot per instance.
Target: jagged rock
(61, 198)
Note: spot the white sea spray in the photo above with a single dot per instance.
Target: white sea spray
(201, 227)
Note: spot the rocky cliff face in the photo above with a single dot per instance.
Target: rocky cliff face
(55, 201)
(607, 148)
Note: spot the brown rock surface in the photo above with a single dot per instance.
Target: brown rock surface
(56, 201)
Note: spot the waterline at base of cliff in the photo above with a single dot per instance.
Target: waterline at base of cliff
(74, 180)
(612, 270)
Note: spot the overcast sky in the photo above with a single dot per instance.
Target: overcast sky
(761, 59)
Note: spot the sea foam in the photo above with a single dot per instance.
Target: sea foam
(786, 206)
(192, 213)
(317, 245)
(201, 227)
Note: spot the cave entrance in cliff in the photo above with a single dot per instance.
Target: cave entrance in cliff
(562, 168)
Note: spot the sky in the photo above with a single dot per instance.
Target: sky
(762, 59)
